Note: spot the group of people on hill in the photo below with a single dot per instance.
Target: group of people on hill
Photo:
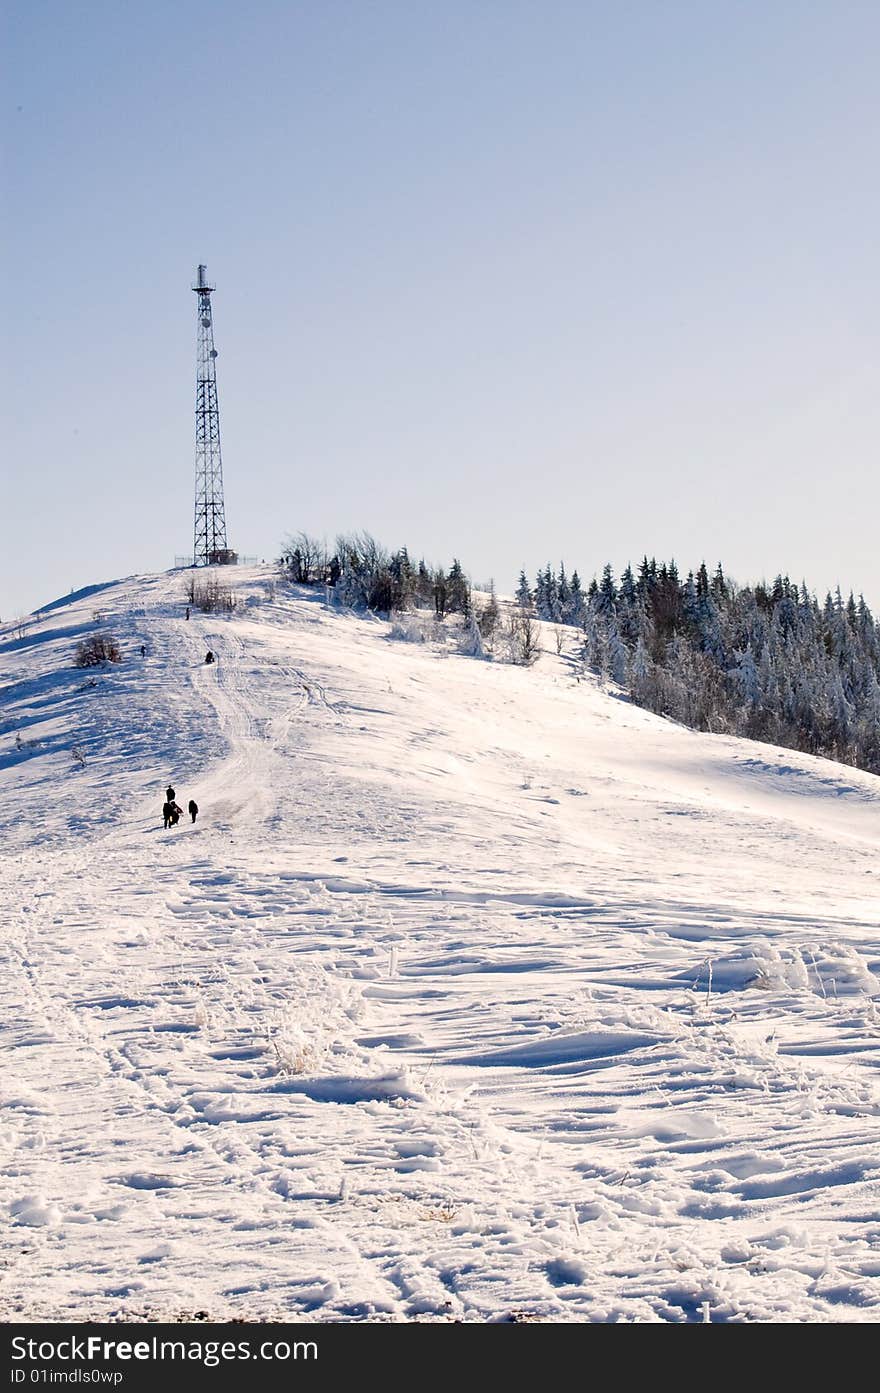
(172, 814)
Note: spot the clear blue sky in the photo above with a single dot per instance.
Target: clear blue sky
(514, 281)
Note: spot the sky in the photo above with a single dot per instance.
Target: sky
(512, 282)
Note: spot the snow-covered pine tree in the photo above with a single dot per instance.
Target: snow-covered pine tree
(578, 602)
(458, 599)
(523, 593)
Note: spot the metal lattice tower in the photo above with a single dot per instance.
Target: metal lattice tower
(209, 544)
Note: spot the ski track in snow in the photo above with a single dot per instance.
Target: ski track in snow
(474, 993)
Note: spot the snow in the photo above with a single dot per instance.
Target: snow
(475, 992)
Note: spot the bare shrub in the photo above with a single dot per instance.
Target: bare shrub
(411, 628)
(305, 560)
(211, 596)
(521, 638)
(97, 650)
(365, 579)
(443, 1213)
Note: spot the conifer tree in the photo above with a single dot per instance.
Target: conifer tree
(523, 593)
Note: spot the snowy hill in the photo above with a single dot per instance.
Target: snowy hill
(475, 991)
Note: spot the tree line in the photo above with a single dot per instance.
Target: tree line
(765, 661)
(365, 575)
(769, 662)
(358, 573)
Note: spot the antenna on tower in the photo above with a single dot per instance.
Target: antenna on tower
(209, 544)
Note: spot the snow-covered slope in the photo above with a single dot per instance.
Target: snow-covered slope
(474, 992)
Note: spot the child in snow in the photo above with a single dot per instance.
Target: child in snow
(174, 813)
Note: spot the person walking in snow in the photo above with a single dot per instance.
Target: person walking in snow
(143, 650)
(169, 794)
(166, 813)
(174, 813)
(209, 656)
(193, 809)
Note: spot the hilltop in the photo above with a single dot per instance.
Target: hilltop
(476, 992)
